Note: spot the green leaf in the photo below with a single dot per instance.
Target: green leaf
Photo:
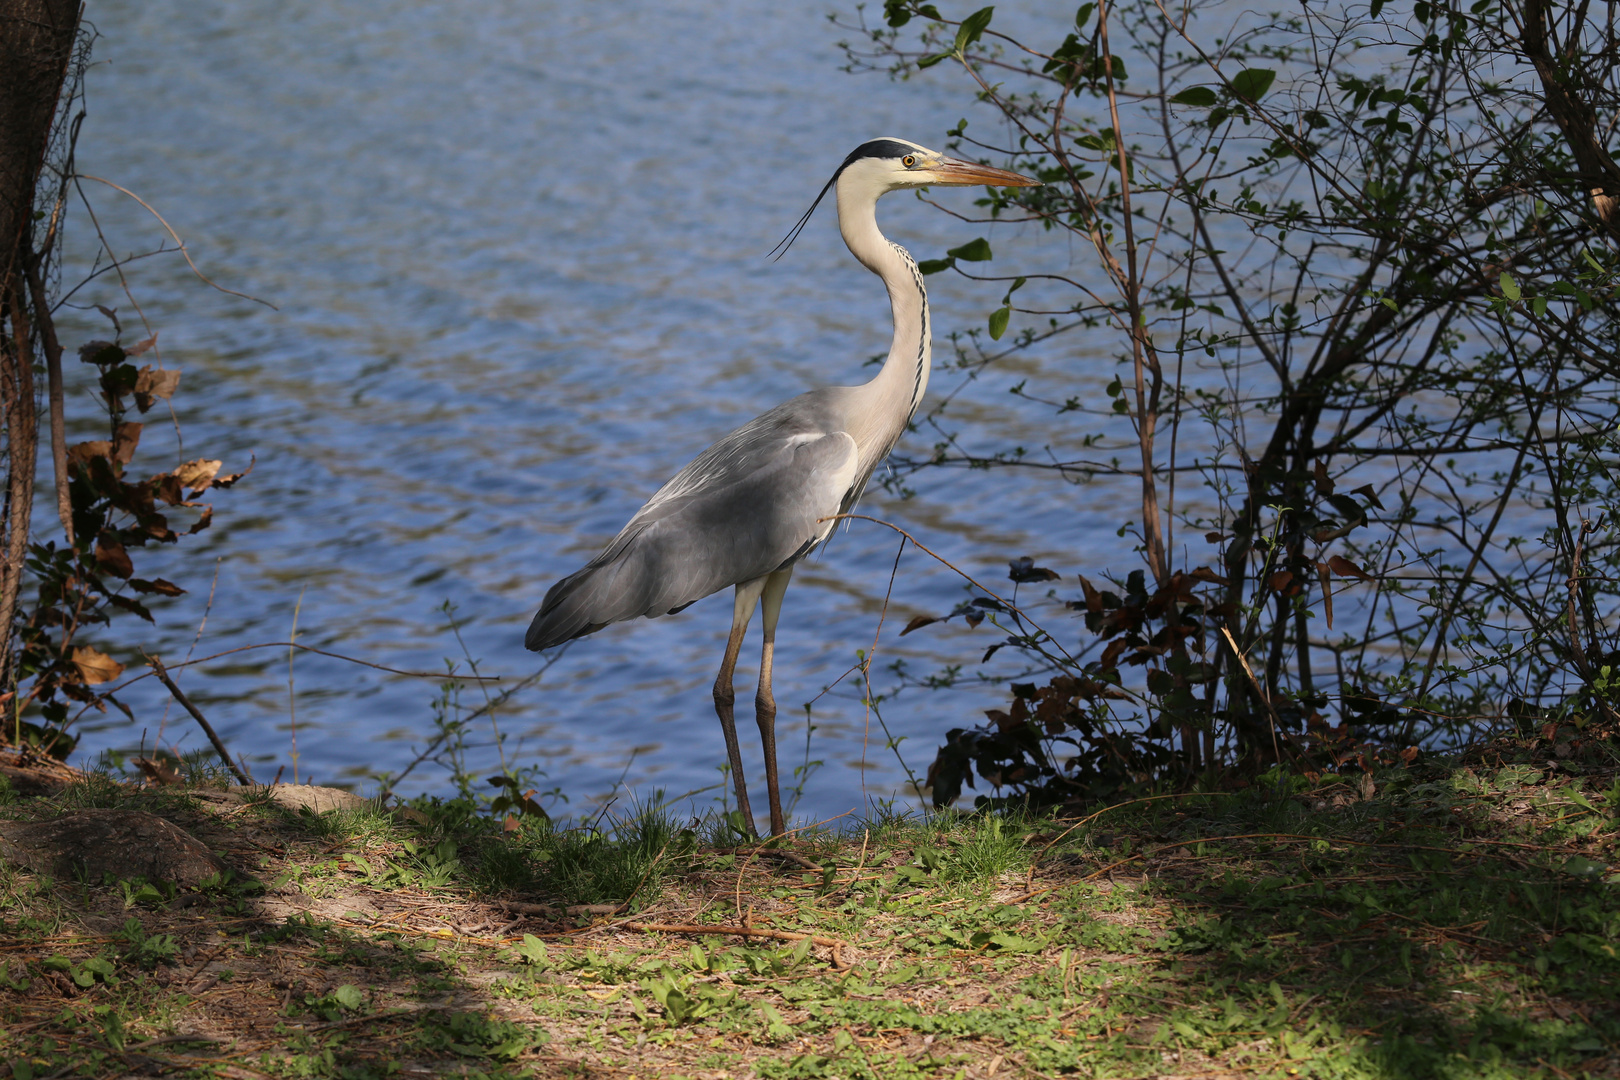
(973, 251)
(775, 1026)
(895, 13)
(1510, 288)
(1583, 868)
(930, 61)
(1083, 16)
(998, 322)
(533, 950)
(348, 997)
(1013, 943)
(973, 27)
(1252, 83)
(1201, 96)
(934, 266)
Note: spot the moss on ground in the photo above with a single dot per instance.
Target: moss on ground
(1443, 921)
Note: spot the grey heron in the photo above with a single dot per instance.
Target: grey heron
(752, 505)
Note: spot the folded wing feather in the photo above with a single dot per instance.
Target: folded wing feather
(748, 505)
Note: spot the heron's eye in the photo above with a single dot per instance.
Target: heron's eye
(909, 160)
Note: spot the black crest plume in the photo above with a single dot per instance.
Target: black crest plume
(883, 148)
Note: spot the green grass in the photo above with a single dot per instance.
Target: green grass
(1460, 922)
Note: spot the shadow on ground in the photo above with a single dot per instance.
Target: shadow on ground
(1445, 920)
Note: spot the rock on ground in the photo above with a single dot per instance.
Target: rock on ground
(124, 843)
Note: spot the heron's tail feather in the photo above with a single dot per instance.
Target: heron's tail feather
(638, 580)
(566, 612)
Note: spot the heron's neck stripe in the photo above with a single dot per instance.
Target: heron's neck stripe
(922, 340)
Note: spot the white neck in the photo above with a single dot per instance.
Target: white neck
(897, 389)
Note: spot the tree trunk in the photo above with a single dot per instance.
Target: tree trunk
(36, 45)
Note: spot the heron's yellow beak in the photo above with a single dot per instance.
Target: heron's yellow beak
(966, 173)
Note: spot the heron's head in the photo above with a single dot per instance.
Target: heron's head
(888, 164)
(879, 166)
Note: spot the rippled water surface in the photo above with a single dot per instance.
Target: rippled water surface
(517, 255)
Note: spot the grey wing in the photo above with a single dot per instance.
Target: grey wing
(746, 506)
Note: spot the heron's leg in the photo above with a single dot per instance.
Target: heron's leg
(724, 697)
(764, 700)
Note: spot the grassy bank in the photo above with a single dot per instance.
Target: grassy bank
(1439, 921)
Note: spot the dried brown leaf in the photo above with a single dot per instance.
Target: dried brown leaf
(1345, 568)
(97, 352)
(153, 383)
(1324, 482)
(197, 475)
(227, 481)
(1366, 492)
(141, 346)
(1281, 580)
(155, 585)
(95, 667)
(125, 440)
(1322, 571)
(133, 606)
(83, 452)
(164, 486)
(917, 623)
(1002, 719)
(111, 557)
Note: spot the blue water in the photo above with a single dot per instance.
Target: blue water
(516, 252)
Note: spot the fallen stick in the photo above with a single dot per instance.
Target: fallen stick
(202, 722)
(743, 931)
(791, 857)
(555, 911)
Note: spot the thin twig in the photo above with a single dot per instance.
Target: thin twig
(743, 931)
(501, 698)
(202, 721)
(176, 236)
(292, 699)
(969, 578)
(1259, 692)
(53, 381)
(335, 656)
(866, 666)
